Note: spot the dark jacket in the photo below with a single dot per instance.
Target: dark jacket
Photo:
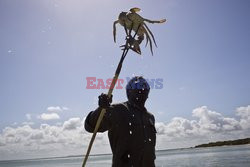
(131, 133)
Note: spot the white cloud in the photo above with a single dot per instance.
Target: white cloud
(208, 126)
(28, 116)
(65, 108)
(244, 113)
(53, 113)
(37, 135)
(70, 137)
(57, 109)
(15, 123)
(213, 121)
(72, 123)
(2, 142)
(50, 116)
(28, 123)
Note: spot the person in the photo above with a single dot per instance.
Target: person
(131, 128)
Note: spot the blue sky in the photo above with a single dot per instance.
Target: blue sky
(49, 47)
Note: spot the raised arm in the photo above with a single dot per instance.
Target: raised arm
(91, 119)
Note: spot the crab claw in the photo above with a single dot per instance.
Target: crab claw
(135, 47)
(162, 21)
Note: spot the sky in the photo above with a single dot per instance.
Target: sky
(48, 49)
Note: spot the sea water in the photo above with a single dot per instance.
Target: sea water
(226, 156)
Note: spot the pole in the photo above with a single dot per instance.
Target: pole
(129, 42)
(103, 111)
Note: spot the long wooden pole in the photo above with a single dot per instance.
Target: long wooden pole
(127, 46)
(103, 111)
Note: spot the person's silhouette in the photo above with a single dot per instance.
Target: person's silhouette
(131, 128)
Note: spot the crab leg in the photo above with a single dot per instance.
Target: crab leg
(114, 30)
(146, 41)
(150, 33)
(150, 42)
(142, 36)
(130, 30)
(127, 37)
(155, 21)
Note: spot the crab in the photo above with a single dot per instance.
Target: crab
(133, 21)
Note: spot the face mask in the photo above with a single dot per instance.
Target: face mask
(138, 97)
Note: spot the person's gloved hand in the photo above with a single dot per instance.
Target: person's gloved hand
(104, 100)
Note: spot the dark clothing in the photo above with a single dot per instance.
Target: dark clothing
(131, 133)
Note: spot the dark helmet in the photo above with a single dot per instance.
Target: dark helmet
(137, 90)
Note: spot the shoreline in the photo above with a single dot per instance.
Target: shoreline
(245, 141)
(224, 143)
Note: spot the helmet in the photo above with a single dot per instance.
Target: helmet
(137, 90)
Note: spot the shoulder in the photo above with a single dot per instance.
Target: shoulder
(151, 116)
(117, 111)
(119, 106)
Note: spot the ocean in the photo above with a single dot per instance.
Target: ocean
(226, 156)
